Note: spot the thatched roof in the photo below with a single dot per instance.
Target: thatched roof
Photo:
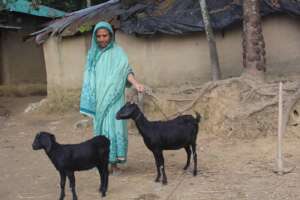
(152, 16)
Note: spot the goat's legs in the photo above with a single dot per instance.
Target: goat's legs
(62, 185)
(72, 184)
(100, 170)
(188, 153)
(105, 178)
(160, 166)
(106, 174)
(103, 172)
(195, 158)
(157, 167)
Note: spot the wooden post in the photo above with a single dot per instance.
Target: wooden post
(279, 142)
(88, 3)
(213, 53)
(281, 130)
(141, 101)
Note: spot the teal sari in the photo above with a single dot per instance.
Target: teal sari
(103, 93)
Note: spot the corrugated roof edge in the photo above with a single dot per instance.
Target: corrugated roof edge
(26, 7)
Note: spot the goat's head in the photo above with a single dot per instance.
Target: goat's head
(129, 110)
(43, 140)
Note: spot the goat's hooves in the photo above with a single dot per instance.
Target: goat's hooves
(156, 180)
(195, 173)
(103, 192)
(185, 168)
(165, 182)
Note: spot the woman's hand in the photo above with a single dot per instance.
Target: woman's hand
(139, 87)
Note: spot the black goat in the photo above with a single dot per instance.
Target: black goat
(177, 133)
(68, 158)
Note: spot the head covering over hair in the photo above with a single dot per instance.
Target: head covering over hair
(94, 51)
(106, 66)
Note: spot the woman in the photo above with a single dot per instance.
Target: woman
(106, 74)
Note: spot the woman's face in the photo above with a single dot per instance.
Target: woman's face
(102, 37)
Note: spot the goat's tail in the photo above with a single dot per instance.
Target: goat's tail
(198, 117)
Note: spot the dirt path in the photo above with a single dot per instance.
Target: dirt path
(229, 168)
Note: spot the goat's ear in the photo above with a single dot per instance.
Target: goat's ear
(53, 139)
(49, 142)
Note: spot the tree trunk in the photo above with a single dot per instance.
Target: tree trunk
(254, 55)
(215, 68)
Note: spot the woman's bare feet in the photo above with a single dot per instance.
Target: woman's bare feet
(115, 170)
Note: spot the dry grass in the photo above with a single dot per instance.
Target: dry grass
(23, 90)
(61, 101)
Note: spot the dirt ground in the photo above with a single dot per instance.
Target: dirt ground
(229, 168)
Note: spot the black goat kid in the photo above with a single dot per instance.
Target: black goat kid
(68, 158)
(177, 133)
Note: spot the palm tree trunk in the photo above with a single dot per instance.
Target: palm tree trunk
(215, 67)
(254, 54)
